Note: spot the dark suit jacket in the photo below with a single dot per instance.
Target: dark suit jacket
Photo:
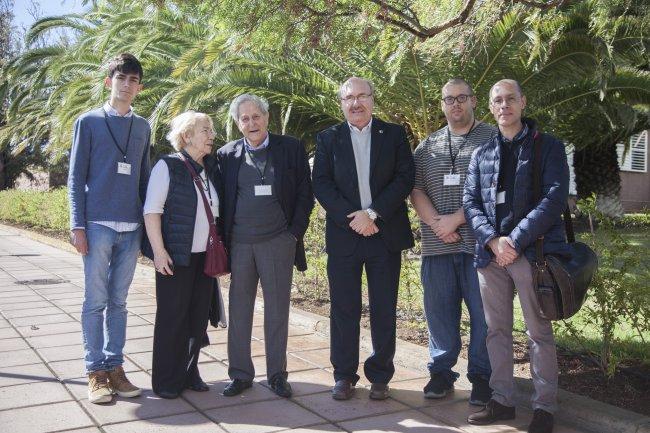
(292, 185)
(392, 175)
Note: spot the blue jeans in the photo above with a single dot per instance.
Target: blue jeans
(108, 267)
(448, 279)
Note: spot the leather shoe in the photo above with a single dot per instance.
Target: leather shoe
(281, 387)
(236, 387)
(542, 422)
(170, 395)
(198, 386)
(343, 390)
(492, 412)
(379, 391)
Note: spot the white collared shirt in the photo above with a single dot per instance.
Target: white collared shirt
(262, 145)
(108, 108)
(361, 141)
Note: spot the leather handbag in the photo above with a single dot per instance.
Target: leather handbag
(561, 282)
(216, 257)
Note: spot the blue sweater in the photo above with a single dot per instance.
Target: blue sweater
(96, 191)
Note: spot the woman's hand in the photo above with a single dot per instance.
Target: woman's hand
(163, 263)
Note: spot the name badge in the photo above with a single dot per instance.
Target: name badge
(263, 190)
(124, 168)
(451, 180)
(501, 197)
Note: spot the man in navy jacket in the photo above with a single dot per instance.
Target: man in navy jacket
(500, 206)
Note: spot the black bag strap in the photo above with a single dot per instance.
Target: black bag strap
(537, 192)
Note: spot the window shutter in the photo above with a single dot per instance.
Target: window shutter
(636, 158)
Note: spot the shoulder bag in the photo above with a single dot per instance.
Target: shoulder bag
(216, 258)
(560, 282)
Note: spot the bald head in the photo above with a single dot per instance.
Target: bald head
(507, 82)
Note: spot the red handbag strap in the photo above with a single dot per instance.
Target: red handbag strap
(199, 185)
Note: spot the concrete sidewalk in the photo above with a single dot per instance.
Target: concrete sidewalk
(43, 388)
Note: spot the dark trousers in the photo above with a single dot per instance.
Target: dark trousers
(183, 302)
(344, 273)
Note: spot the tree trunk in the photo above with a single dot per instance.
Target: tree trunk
(597, 171)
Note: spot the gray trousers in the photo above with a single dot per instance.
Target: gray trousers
(497, 292)
(271, 263)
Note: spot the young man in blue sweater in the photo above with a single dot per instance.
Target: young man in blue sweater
(107, 182)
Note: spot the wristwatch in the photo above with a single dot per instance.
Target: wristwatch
(372, 214)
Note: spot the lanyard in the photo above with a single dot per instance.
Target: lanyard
(465, 139)
(261, 171)
(128, 137)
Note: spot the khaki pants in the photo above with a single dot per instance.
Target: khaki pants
(498, 285)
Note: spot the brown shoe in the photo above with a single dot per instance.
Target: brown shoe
(492, 412)
(343, 390)
(120, 384)
(98, 389)
(378, 391)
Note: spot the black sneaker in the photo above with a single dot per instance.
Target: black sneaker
(542, 422)
(280, 386)
(481, 392)
(493, 411)
(438, 387)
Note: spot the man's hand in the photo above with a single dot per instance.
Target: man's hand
(79, 241)
(444, 225)
(163, 263)
(451, 239)
(370, 230)
(360, 222)
(503, 251)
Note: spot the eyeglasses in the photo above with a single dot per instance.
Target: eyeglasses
(350, 99)
(449, 100)
(510, 100)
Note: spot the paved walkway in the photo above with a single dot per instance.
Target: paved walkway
(43, 389)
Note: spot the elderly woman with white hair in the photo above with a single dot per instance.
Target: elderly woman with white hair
(266, 204)
(177, 229)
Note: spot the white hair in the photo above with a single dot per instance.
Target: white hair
(346, 83)
(261, 104)
(182, 124)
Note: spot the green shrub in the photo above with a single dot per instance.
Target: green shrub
(47, 210)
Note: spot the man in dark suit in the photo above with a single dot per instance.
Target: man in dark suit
(363, 172)
(266, 203)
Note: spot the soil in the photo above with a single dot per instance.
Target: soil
(577, 374)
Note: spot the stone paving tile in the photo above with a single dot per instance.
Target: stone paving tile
(32, 394)
(136, 332)
(217, 351)
(357, 407)
(15, 294)
(318, 357)
(18, 357)
(455, 414)
(62, 353)
(307, 342)
(8, 333)
(293, 364)
(133, 320)
(55, 340)
(139, 345)
(42, 320)
(185, 423)
(142, 359)
(51, 417)
(411, 393)
(12, 343)
(143, 310)
(26, 305)
(146, 406)
(71, 309)
(68, 302)
(400, 422)
(65, 295)
(75, 368)
(5, 302)
(326, 428)
(213, 398)
(30, 312)
(262, 417)
(85, 430)
(258, 331)
(213, 371)
(50, 329)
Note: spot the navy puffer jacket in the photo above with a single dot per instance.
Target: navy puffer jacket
(532, 219)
